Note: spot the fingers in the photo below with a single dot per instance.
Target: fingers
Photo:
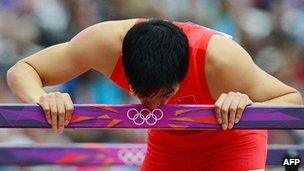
(225, 110)
(245, 101)
(69, 108)
(43, 102)
(58, 108)
(230, 107)
(232, 112)
(53, 107)
(61, 111)
(218, 106)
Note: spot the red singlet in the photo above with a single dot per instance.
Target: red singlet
(199, 150)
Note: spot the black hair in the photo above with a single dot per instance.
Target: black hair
(155, 55)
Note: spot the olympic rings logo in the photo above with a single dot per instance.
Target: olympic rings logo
(145, 116)
(132, 157)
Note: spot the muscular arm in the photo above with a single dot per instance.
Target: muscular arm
(236, 81)
(230, 68)
(96, 47)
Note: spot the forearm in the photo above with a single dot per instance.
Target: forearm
(290, 98)
(25, 82)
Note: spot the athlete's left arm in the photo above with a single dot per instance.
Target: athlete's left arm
(233, 78)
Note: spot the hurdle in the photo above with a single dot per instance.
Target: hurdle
(135, 116)
(165, 117)
(92, 154)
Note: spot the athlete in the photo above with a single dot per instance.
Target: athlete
(163, 62)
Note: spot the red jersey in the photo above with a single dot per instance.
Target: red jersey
(208, 144)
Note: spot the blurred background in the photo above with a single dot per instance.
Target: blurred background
(272, 31)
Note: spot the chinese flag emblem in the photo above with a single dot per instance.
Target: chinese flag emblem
(186, 100)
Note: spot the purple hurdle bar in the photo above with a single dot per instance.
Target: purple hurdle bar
(74, 154)
(166, 117)
(102, 154)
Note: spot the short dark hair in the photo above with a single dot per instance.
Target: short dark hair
(155, 55)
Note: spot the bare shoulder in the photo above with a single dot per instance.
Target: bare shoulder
(230, 68)
(226, 62)
(121, 26)
(223, 51)
(114, 27)
(101, 43)
(117, 28)
(106, 33)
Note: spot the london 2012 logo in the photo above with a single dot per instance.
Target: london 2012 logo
(145, 116)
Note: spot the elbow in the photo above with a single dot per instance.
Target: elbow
(12, 75)
(22, 71)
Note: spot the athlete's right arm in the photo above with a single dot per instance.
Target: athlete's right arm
(94, 48)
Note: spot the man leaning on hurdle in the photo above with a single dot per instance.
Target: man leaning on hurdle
(163, 62)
